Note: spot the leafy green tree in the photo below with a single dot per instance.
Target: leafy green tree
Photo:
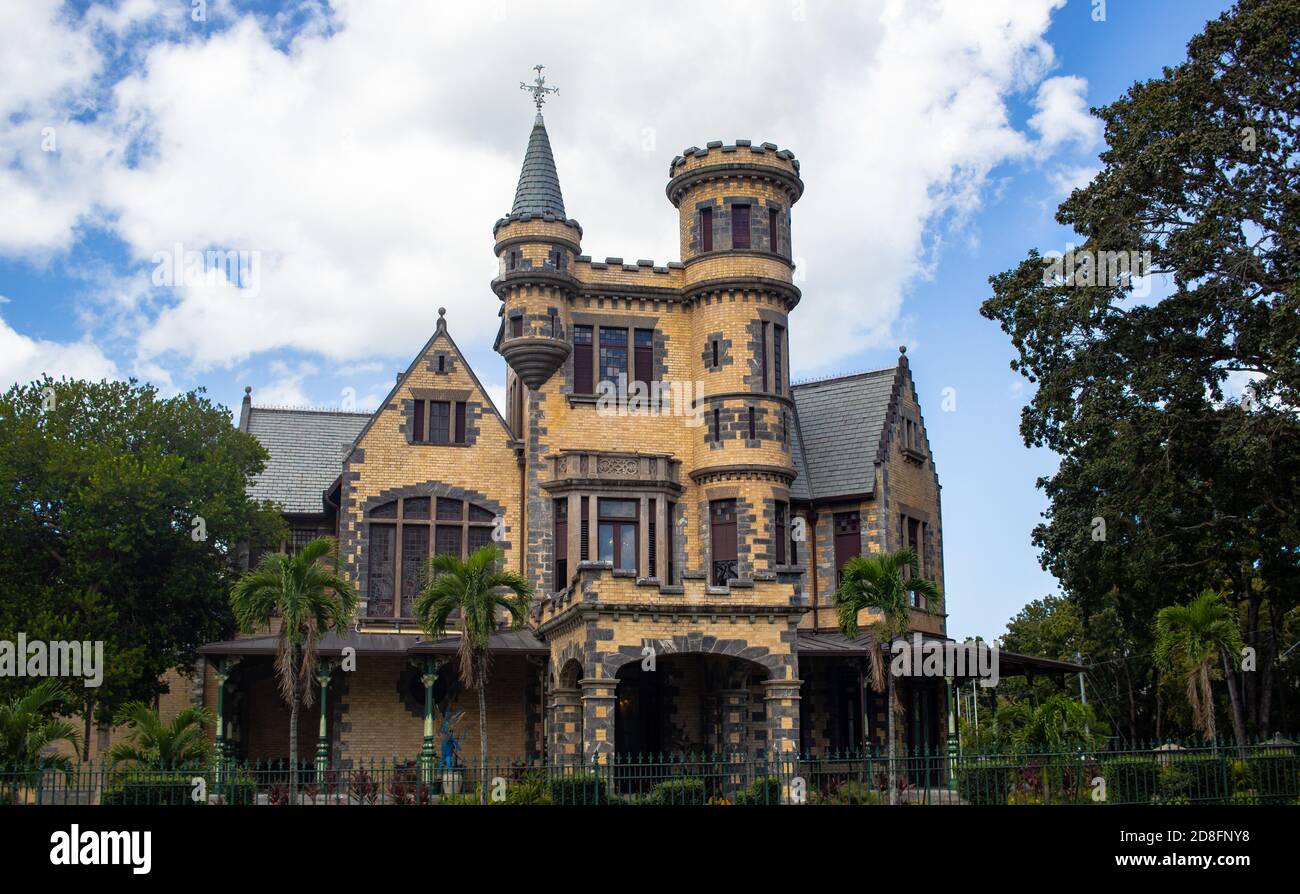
(1056, 724)
(1191, 639)
(477, 589)
(30, 726)
(153, 744)
(309, 597)
(884, 585)
(1166, 485)
(107, 491)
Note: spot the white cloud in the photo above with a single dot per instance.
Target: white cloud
(23, 359)
(367, 163)
(1061, 114)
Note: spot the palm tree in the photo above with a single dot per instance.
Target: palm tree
(1190, 638)
(884, 584)
(163, 746)
(478, 587)
(310, 598)
(28, 727)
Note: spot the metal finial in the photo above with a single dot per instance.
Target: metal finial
(538, 88)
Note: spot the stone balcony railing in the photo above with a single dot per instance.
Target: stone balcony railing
(598, 584)
(601, 467)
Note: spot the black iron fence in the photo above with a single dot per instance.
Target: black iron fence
(1266, 773)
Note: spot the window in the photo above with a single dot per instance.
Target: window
(785, 427)
(643, 356)
(399, 547)
(557, 259)
(613, 354)
(779, 530)
(560, 544)
(300, 537)
(379, 590)
(774, 230)
(706, 229)
(717, 425)
(582, 378)
(778, 380)
(513, 260)
(722, 533)
(616, 533)
(794, 544)
(442, 363)
(715, 353)
(740, 226)
(848, 542)
(762, 352)
(752, 432)
(516, 326)
(439, 416)
(460, 422)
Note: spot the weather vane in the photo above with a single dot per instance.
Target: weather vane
(538, 88)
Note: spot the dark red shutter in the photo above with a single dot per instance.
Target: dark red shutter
(740, 226)
(848, 543)
(773, 230)
(762, 352)
(583, 382)
(460, 422)
(706, 229)
(722, 531)
(417, 422)
(517, 326)
(643, 356)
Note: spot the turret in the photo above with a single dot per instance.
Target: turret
(536, 244)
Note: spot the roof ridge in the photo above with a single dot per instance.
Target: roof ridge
(293, 408)
(837, 377)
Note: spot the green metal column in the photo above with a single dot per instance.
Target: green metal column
(225, 667)
(323, 673)
(952, 734)
(428, 753)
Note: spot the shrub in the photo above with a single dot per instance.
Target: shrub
(154, 788)
(1130, 778)
(686, 790)
(853, 792)
(980, 782)
(764, 790)
(1276, 775)
(530, 788)
(240, 790)
(578, 788)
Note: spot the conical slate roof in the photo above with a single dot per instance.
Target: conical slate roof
(539, 186)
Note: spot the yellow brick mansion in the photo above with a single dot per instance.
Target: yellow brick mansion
(685, 544)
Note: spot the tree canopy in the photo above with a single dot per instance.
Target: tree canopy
(121, 513)
(1175, 414)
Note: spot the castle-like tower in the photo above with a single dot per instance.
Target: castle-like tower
(652, 416)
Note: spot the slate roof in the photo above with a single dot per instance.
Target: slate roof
(306, 448)
(538, 191)
(839, 424)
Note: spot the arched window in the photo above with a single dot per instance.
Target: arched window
(404, 533)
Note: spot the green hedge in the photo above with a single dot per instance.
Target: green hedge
(155, 788)
(579, 788)
(686, 790)
(853, 792)
(1130, 779)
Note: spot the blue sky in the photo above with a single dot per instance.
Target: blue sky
(364, 150)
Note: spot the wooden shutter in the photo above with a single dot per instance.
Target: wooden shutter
(773, 230)
(722, 533)
(740, 226)
(460, 422)
(417, 421)
(706, 229)
(583, 381)
(848, 543)
(643, 356)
